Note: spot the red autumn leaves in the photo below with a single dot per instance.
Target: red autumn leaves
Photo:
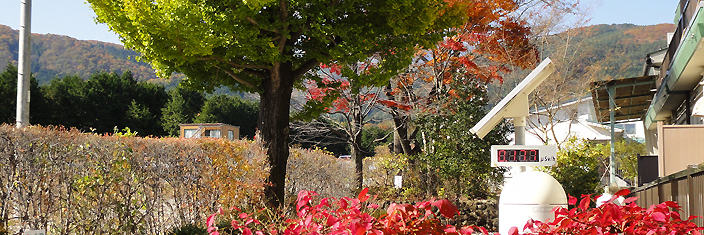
(351, 216)
(611, 218)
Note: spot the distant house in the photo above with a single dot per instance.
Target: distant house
(575, 119)
(345, 157)
(578, 119)
(211, 130)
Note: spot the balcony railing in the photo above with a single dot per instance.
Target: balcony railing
(687, 9)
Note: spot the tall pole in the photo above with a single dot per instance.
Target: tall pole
(519, 125)
(612, 107)
(23, 65)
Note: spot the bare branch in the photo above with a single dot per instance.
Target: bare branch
(247, 66)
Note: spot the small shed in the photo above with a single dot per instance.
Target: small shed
(211, 130)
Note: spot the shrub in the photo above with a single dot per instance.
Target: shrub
(379, 172)
(68, 182)
(610, 218)
(317, 170)
(189, 229)
(359, 216)
(577, 167)
(347, 216)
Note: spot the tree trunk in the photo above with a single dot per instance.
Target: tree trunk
(401, 143)
(397, 143)
(401, 124)
(274, 128)
(358, 157)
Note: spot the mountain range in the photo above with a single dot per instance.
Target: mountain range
(56, 56)
(618, 50)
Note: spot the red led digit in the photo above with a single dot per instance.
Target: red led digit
(518, 155)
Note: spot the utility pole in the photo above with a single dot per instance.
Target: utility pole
(23, 65)
(612, 158)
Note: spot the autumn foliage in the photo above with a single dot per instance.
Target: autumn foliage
(489, 42)
(59, 56)
(611, 218)
(486, 45)
(347, 216)
(68, 182)
(358, 216)
(484, 48)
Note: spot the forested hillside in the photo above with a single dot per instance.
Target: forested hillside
(598, 52)
(608, 51)
(58, 56)
(619, 50)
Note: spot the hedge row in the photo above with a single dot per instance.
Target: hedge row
(67, 182)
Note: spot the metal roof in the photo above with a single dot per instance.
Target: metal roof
(205, 125)
(632, 98)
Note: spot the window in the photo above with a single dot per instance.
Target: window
(231, 135)
(212, 133)
(188, 133)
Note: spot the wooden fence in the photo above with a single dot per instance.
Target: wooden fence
(685, 187)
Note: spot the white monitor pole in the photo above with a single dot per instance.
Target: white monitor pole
(520, 114)
(519, 126)
(23, 66)
(515, 105)
(530, 194)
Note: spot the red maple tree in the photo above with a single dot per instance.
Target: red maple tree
(345, 102)
(489, 44)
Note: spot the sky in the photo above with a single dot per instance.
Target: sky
(74, 18)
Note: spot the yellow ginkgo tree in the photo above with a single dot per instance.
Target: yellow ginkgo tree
(267, 47)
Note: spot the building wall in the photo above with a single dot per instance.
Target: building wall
(223, 128)
(183, 128)
(680, 146)
(234, 129)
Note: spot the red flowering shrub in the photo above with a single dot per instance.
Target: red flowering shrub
(349, 216)
(610, 218)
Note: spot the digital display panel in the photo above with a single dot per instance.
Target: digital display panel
(518, 155)
(523, 155)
